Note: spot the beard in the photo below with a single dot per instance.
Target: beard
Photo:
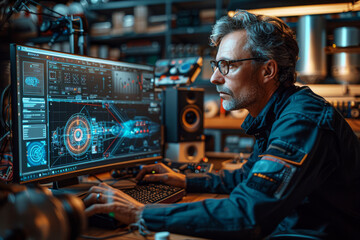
(241, 100)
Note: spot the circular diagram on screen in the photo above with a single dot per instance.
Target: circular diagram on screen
(77, 135)
(36, 154)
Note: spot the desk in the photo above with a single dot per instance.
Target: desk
(190, 197)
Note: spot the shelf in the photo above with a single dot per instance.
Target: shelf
(124, 37)
(332, 23)
(192, 34)
(223, 123)
(342, 22)
(206, 29)
(169, 8)
(332, 50)
(354, 124)
(192, 30)
(235, 123)
(111, 6)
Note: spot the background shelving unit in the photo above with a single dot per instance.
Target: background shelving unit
(172, 25)
(176, 29)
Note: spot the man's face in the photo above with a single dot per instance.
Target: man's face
(241, 87)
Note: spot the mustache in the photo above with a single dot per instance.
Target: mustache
(224, 90)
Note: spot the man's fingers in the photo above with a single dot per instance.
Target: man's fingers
(100, 208)
(95, 197)
(98, 193)
(108, 190)
(152, 169)
(163, 177)
(100, 188)
(145, 170)
(106, 186)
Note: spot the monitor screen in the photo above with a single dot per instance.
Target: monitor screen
(74, 114)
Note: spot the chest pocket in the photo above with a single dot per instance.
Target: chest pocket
(285, 152)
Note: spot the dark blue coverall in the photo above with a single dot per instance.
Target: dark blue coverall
(303, 176)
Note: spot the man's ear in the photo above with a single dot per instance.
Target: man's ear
(270, 70)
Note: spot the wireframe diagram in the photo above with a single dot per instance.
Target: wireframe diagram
(33, 78)
(99, 131)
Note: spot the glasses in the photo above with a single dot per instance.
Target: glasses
(223, 65)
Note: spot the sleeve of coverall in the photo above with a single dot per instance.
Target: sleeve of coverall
(223, 182)
(281, 178)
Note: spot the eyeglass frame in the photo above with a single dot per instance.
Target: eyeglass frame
(215, 63)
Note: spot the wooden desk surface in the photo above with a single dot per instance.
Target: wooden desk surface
(190, 197)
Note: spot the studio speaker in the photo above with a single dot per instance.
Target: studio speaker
(185, 151)
(183, 115)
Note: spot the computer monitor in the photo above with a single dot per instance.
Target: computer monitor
(75, 115)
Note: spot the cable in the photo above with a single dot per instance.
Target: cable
(7, 166)
(28, 10)
(96, 177)
(3, 6)
(3, 145)
(9, 171)
(8, 121)
(140, 225)
(4, 141)
(6, 134)
(7, 116)
(1, 105)
(43, 6)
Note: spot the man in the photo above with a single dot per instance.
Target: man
(303, 176)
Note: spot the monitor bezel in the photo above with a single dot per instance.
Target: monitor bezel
(62, 176)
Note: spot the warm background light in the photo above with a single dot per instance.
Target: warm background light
(305, 9)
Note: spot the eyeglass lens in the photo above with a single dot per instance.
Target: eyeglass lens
(222, 65)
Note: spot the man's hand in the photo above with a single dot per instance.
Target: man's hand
(161, 173)
(105, 199)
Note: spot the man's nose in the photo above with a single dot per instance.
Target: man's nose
(217, 77)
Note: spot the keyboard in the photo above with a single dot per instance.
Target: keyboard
(155, 193)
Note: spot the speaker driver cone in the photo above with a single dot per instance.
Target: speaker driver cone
(190, 118)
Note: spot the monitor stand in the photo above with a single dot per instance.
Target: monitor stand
(71, 186)
(66, 183)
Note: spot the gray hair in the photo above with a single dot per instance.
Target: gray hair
(268, 38)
